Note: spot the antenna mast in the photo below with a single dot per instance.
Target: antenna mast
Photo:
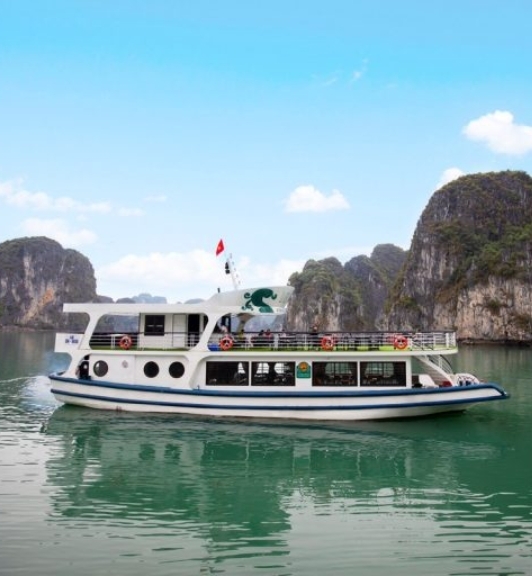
(230, 269)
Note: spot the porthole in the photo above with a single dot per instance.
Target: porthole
(100, 368)
(176, 369)
(151, 369)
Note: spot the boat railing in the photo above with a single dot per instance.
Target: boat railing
(441, 363)
(265, 340)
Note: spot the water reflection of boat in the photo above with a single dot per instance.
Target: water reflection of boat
(202, 471)
(239, 489)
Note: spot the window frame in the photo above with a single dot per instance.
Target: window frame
(153, 325)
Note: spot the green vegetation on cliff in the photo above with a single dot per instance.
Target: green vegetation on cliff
(470, 263)
(485, 220)
(346, 297)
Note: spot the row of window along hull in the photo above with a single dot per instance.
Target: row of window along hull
(284, 373)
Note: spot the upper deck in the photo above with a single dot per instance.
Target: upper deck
(264, 341)
(225, 324)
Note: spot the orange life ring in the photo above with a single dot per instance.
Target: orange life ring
(226, 343)
(400, 342)
(125, 342)
(327, 343)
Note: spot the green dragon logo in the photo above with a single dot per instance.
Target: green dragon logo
(256, 298)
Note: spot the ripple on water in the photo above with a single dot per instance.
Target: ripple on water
(83, 492)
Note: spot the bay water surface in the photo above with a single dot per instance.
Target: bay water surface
(84, 492)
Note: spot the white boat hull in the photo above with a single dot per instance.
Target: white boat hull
(331, 405)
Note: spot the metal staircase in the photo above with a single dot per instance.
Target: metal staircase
(438, 368)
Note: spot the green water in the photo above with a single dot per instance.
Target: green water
(94, 493)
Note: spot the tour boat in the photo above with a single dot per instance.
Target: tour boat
(232, 356)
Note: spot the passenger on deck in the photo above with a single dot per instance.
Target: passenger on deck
(241, 339)
(258, 340)
(268, 338)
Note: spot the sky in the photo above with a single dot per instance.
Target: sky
(141, 132)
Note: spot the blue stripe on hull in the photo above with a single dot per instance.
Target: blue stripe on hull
(274, 408)
(432, 402)
(255, 393)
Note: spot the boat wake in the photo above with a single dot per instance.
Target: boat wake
(11, 380)
(36, 393)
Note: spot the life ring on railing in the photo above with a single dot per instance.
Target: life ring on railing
(125, 342)
(400, 342)
(226, 343)
(327, 343)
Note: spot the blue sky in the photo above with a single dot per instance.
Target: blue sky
(141, 132)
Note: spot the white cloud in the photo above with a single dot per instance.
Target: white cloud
(329, 80)
(499, 132)
(15, 195)
(58, 230)
(161, 271)
(196, 274)
(276, 274)
(310, 199)
(340, 76)
(357, 74)
(448, 176)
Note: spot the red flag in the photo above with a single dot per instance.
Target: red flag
(220, 248)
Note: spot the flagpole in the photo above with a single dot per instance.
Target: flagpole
(229, 264)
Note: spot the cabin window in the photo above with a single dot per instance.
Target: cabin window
(151, 369)
(272, 373)
(334, 374)
(110, 328)
(383, 374)
(227, 373)
(100, 368)
(176, 369)
(154, 325)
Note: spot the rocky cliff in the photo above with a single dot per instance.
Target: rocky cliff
(344, 297)
(469, 268)
(36, 276)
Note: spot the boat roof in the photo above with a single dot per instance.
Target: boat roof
(253, 301)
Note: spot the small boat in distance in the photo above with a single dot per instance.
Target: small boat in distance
(232, 356)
